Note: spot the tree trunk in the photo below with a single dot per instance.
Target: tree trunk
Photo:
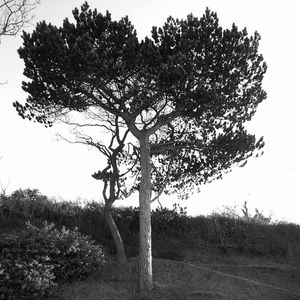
(145, 253)
(115, 234)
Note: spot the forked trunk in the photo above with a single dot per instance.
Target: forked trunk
(145, 253)
(115, 234)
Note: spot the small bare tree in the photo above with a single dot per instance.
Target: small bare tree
(113, 175)
(121, 173)
(15, 14)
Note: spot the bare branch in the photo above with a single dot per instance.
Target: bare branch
(85, 125)
(86, 140)
(172, 145)
(15, 14)
(163, 120)
(3, 189)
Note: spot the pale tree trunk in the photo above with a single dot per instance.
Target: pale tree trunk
(115, 234)
(145, 253)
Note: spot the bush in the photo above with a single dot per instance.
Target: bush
(231, 230)
(33, 258)
(172, 222)
(23, 204)
(25, 279)
(167, 247)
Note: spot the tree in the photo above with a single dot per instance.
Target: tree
(184, 95)
(111, 176)
(15, 14)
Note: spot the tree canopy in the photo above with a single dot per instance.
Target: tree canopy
(192, 85)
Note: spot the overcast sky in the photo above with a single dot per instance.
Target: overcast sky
(32, 157)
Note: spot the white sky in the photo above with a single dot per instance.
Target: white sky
(33, 158)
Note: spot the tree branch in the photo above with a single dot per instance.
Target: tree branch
(172, 145)
(14, 15)
(163, 120)
(164, 183)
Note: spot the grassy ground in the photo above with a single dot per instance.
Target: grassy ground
(222, 277)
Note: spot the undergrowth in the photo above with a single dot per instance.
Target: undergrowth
(33, 260)
(173, 230)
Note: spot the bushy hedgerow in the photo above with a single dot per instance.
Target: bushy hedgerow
(34, 259)
(225, 231)
(174, 222)
(23, 205)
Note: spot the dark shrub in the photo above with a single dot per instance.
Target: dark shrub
(71, 253)
(167, 247)
(225, 232)
(33, 258)
(24, 278)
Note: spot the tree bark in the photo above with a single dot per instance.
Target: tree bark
(145, 253)
(115, 234)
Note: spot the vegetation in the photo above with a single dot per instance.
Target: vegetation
(173, 230)
(35, 255)
(183, 96)
(14, 15)
(33, 259)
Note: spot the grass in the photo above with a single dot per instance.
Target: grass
(176, 280)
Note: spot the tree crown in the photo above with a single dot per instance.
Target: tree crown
(189, 87)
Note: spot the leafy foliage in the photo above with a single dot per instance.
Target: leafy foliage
(24, 279)
(23, 204)
(32, 260)
(72, 253)
(173, 232)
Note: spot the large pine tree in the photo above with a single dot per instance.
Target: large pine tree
(184, 94)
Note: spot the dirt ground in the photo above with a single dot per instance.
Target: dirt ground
(205, 278)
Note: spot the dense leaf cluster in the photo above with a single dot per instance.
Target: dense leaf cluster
(173, 232)
(34, 259)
